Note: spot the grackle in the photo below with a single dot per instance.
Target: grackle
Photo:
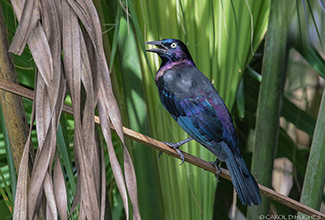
(191, 99)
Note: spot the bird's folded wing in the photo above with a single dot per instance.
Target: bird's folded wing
(196, 116)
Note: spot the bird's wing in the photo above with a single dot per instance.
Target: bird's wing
(195, 115)
(229, 132)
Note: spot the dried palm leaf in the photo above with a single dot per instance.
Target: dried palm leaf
(51, 28)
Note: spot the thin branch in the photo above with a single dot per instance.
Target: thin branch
(27, 93)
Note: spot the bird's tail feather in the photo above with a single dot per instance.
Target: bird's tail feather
(243, 181)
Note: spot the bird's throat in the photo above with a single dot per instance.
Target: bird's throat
(173, 65)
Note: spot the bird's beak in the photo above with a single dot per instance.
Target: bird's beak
(161, 48)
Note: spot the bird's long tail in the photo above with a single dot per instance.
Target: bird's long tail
(243, 181)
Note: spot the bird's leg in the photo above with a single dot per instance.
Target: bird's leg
(216, 164)
(176, 146)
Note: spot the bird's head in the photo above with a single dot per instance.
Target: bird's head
(171, 50)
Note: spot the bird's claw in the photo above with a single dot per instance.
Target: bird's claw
(181, 155)
(159, 155)
(176, 148)
(216, 165)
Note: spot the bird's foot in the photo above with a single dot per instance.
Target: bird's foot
(176, 146)
(216, 164)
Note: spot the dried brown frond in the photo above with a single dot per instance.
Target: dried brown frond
(72, 28)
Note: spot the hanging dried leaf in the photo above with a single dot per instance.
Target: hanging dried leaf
(116, 168)
(51, 28)
(60, 190)
(20, 210)
(31, 31)
(28, 17)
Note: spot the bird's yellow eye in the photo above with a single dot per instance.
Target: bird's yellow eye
(173, 45)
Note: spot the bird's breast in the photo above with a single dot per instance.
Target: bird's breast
(174, 80)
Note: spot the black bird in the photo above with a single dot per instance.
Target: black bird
(191, 99)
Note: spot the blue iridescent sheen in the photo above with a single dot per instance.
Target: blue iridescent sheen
(191, 99)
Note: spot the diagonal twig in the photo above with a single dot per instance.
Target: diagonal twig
(148, 141)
